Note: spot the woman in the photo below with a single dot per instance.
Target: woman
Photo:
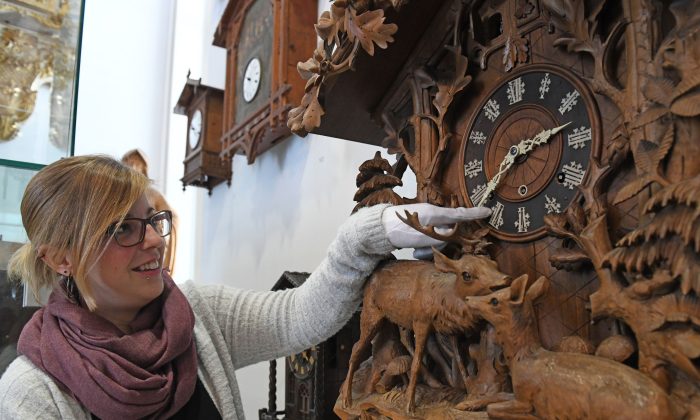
(118, 339)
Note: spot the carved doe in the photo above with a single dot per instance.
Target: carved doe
(424, 297)
(547, 384)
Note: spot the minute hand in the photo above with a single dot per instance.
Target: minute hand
(542, 137)
(521, 148)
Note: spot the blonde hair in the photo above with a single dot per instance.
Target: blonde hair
(68, 207)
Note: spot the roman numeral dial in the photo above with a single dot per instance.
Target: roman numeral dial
(544, 180)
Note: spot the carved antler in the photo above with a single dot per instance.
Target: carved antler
(470, 240)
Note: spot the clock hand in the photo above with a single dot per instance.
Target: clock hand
(542, 137)
(522, 148)
(506, 163)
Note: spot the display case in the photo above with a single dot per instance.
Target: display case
(39, 57)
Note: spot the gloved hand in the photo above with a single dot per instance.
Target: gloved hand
(402, 235)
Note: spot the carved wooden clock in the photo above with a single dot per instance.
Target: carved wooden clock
(575, 122)
(264, 40)
(313, 376)
(203, 106)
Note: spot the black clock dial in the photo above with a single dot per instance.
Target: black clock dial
(546, 179)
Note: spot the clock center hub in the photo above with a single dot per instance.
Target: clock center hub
(531, 172)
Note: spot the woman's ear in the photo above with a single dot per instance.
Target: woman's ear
(58, 261)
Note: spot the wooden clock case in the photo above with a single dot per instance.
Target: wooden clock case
(203, 165)
(279, 33)
(312, 388)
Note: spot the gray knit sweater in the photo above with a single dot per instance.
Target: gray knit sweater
(235, 328)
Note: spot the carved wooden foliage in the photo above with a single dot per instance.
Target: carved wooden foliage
(347, 20)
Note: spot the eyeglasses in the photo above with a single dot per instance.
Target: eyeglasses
(131, 231)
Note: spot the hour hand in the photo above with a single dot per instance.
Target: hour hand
(506, 163)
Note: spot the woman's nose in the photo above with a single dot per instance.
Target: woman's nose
(152, 238)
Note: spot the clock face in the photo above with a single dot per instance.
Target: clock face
(251, 79)
(195, 131)
(303, 363)
(544, 180)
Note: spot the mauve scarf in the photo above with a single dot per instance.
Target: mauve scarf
(149, 373)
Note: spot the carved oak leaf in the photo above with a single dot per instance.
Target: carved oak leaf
(307, 116)
(312, 115)
(309, 68)
(686, 101)
(570, 16)
(448, 89)
(516, 51)
(332, 22)
(648, 158)
(327, 28)
(369, 29)
(659, 90)
(295, 116)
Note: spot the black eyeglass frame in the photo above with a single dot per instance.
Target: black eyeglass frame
(149, 220)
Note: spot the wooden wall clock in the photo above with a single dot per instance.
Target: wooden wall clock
(264, 40)
(203, 106)
(592, 208)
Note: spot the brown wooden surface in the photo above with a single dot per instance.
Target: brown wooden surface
(620, 259)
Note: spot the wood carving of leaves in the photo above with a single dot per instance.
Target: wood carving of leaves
(369, 29)
(650, 115)
(307, 116)
(447, 91)
(688, 105)
(632, 189)
(689, 83)
(312, 114)
(308, 68)
(516, 51)
(570, 16)
(295, 116)
(659, 90)
(327, 28)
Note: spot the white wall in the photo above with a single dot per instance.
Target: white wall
(124, 79)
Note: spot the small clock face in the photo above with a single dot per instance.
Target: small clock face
(251, 79)
(195, 131)
(303, 363)
(545, 180)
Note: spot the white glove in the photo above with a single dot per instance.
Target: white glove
(402, 235)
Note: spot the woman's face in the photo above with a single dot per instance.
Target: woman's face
(125, 279)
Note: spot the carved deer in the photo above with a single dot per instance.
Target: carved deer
(549, 384)
(424, 297)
